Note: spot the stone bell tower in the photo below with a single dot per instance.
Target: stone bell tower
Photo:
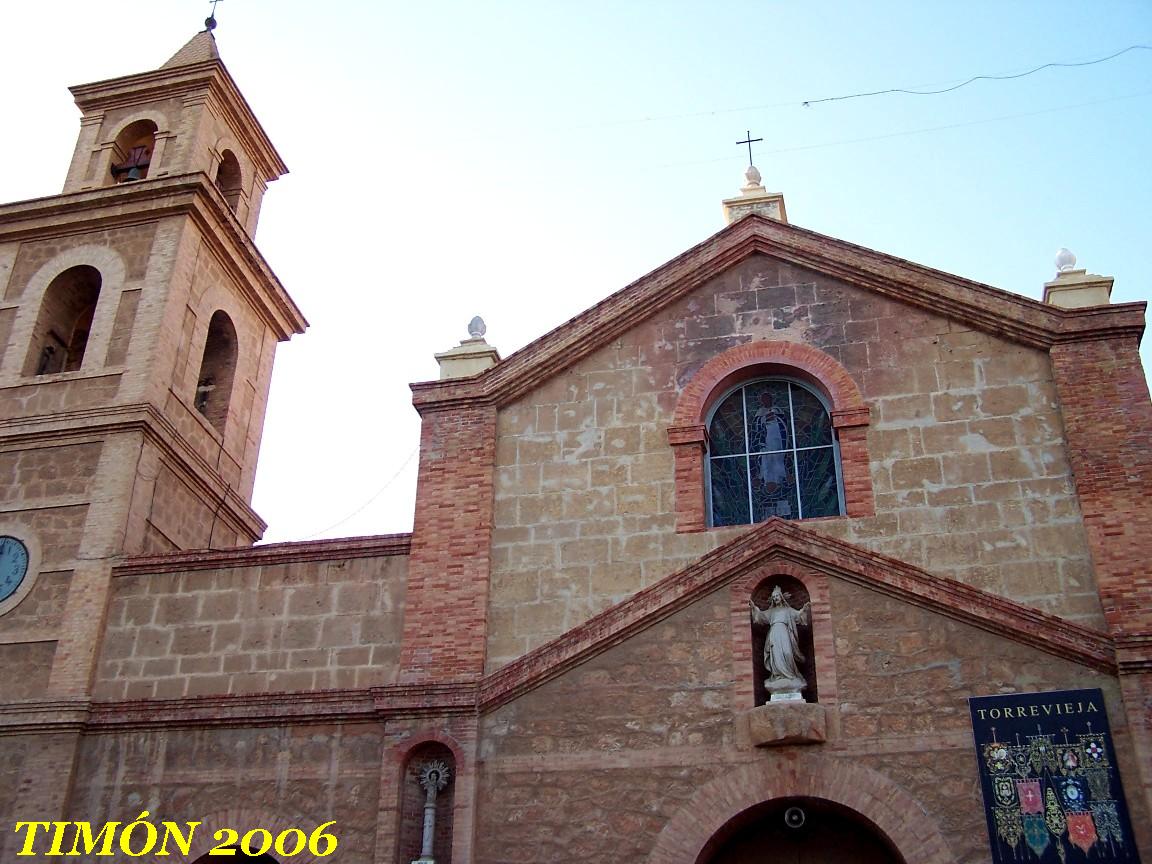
(138, 326)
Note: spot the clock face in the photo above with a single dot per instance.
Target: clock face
(13, 565)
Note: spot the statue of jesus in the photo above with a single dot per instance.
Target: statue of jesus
(782, 654)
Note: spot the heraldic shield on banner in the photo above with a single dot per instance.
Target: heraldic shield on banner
(1052, 794)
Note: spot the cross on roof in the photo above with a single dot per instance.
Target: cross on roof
(749, 140)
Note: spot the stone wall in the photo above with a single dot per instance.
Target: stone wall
(968, 463)
(252, 628)
(599, 761)
(241, 778)
(26, 666)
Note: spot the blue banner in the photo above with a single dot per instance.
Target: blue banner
(1052, 792)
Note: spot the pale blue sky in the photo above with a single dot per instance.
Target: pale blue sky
(524, 160)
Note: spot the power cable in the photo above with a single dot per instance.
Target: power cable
(367, 503)
(808, 103)
(906, 132)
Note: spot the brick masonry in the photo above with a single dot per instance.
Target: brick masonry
(1108, 417)
(448, 573)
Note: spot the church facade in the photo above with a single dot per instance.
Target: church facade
(731, 562)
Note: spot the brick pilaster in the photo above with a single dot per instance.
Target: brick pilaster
(1108, 426)
(446, 606)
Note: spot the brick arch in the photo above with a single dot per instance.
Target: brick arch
(892, 810)
(396, 757)
(113, 273)
(405, 751)
(742, 361)
(244, 819)
(687, 434)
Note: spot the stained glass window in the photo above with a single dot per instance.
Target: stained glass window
(772, 453)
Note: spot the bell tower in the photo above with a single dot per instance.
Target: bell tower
(138, 327)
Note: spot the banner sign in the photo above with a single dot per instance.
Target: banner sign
(1051, 787)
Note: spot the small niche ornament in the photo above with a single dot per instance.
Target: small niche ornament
(433, 778)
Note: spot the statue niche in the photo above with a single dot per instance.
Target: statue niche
(784, 665)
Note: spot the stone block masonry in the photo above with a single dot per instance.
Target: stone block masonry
(311, 624)
(967, 459)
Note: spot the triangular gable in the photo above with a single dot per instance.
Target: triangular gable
(980, 306)
(780, 540)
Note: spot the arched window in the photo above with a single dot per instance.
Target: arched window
(228, 178)
(217, 369)
(132, 152)
(60, 335)
(772, 452)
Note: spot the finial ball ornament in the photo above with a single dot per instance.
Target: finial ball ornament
(752, 175)
(1065, 261)
(477, 328)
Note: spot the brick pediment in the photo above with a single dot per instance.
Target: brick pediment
(779, 541)
(980, 306)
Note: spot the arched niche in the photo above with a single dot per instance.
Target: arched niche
(132, 152)
(414, 798)
(64, 322)
(229, 179)
(801, 829)
(795, 596)
(217, 370)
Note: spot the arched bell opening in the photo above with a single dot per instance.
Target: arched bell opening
(217, 371)
(60, 335)
(800, 830)
(132, 152)
(229, 180)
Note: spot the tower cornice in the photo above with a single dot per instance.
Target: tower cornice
(192, 195)
(192, 467)
(209, 76)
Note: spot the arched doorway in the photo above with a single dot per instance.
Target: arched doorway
(799, 831)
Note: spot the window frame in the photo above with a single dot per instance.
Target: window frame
(835, 445)
(761, 358)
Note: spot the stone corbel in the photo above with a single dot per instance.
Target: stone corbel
(780, 723)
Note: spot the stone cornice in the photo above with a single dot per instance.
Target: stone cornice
(192, 468)
(384, 545)
(777, 539)
(981, 306)
(211, 75)
(192, 195)
(375, 704)
(1134, 653)
(22, 718)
